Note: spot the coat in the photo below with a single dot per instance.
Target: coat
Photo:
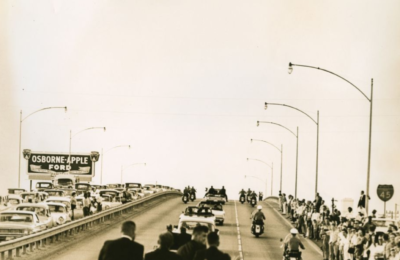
(212, 253)
(121, 249)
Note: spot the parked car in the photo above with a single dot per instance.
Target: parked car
(11, 204)
(383, 224)
(42, 211)
(15, 192)
(55, 193)
(59, 212)
(34, 196)
(15, 224)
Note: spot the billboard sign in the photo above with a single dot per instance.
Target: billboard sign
(51, 164)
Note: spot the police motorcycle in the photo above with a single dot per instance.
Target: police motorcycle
(185, 196)
(192, 195)
(257, 228)
(253, 201)
(287, 254)
(242, 198)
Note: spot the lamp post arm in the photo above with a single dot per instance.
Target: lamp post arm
(87, 129)
(318, 68)
(260, 161)
(278, 125)
(129, 146)
(293, 108)
(46, 108)
(267, 143)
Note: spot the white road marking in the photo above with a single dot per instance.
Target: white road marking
(238, 235)
(316, 248)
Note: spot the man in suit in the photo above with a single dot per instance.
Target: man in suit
(124, 248)
(212, 252)
(198, 242)
(183, 237)
(165, 240)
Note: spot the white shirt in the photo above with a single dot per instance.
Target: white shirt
(128, 237)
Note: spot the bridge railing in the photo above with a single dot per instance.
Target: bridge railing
(41, 239)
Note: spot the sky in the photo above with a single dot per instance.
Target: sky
(184, 84)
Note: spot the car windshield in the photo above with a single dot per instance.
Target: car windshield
(43, 185)
(54, 193)
(28, 195)
(11, 191)
(82, 187)
(64, 182)
(56, 209)
(190, 225)
(13, 201)
(133, 185)
(106, 199)
(382, 223)
(15, 217)
(113, 186)
(110, 193)
(158, 186)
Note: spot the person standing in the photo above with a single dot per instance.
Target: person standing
(165, 241)
(212, 252)
(361, 201)
(318, 202)
(86, 204)
(73, 205)
(198, 242)
(124, 248)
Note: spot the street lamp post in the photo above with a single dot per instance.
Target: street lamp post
(124, 168)
(20, 136)
(272, 173)
(297, 149)
(317, 123)
(280, 150)
(102, 158)
(70, 141)
(370, 118)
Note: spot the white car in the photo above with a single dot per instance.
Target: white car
(190, 222)
(41, 210)
(148, 190)
(59, 212)
(216, 209)
(15, 224)
(63, 200)
(11, 204)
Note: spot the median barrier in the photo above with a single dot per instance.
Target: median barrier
(41, 239)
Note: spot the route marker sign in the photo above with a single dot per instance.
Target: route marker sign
(385, 192)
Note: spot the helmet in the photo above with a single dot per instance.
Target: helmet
(259, 207)
(294, 231)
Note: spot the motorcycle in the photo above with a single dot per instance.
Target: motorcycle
(248, 198)
(242, 199)
(185, 198)
(290, 255)
(253, 202)
(192, 197)
(257, 229)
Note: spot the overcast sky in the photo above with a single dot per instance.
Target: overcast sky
(184, 83)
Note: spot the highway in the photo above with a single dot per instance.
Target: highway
(151, 223)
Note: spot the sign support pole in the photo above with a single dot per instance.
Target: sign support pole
(384, 209)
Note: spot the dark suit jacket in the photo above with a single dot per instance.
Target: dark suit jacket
(211, 253)
(183, 238)
(121, 249)
(162, 254)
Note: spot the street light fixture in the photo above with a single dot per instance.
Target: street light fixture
(280, 150)
(297, 148)
(370, 118)
(102, 158)
(124, 168)
(70, 141)
(20, 136)
(272, 173)
(317, 123)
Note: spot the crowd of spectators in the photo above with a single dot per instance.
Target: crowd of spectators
(351, 236)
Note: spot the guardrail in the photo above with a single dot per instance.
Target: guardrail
(272, 198)
(41, 239)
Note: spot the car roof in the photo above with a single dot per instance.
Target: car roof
(35, 205)
(56, 204)
(198, 219)
(59, 198)
(18, 212)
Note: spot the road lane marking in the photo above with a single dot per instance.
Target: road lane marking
(316, 248)
(238, 234)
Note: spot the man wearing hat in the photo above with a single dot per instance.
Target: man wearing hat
(293, 244)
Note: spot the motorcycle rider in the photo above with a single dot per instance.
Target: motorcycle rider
(260, 196)
(292, 244)
(242, 193)
(193, 191)
(258, 217)
(211, 191)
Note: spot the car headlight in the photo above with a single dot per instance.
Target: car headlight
(60, 220)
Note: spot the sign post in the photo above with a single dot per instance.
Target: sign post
(385, 193)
